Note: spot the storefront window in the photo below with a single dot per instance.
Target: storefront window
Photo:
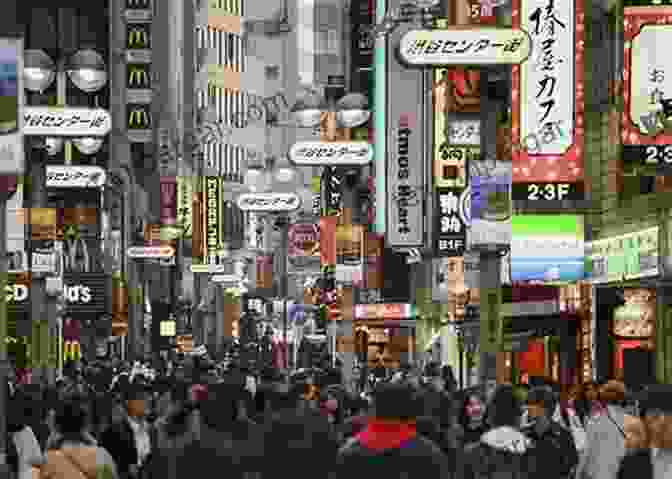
(633, 325)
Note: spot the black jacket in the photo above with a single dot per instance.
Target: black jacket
(501, 453)
(636, 465)
(391, 453)
(119, 441)
(555, 449)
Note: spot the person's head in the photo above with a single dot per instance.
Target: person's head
(504, 408)
(71, 417)
(395, 401)
(541, 402)
(472, 409)
(656, 409)
(221, 407)
(612, 392)
(135, 399)
(636, 433)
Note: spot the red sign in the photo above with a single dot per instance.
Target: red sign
(328, 240)
(168, 200)
(304, 240)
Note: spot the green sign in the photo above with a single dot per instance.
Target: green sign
(492, 325)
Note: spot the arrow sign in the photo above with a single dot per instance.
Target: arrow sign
(150, 252)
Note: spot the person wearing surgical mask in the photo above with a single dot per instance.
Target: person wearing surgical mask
(472, 414)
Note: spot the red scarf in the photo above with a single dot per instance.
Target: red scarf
(381, 434)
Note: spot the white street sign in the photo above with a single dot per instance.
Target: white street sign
(150, 251)
(64, 176)
(208, 268)
(53, 121)
(323, 153)
(474, 46)
(269, 202)
(226, 278)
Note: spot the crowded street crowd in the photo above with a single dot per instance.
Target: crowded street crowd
(195, 418)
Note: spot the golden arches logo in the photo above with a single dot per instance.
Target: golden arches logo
(138, 38)
(138, 77)
(139, 119)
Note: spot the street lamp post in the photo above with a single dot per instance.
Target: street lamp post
(86, 69)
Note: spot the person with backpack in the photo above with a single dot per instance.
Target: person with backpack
(553, 444)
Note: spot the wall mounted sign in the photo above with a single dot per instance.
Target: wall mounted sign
(11, 95)
(304, 243)
(478, 46)
(547, 247)
(269, 202)
(490, 205)
(139, 83)
(212, 218)
(150, 252)
(65, 176)
(350, 254)
(647, 86)
(322, 153)
(168, 186)
(629, 256)
(331, 199)
(451, 229)
(139, 126)
(463, 131)
(384, 311)
(85, 292)
(53, 121)
(45, 261)
(541, 191)
(405, 172)
(185, 205)
(547, 90)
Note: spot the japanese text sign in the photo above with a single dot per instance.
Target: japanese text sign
(65, 176)
(465, 46)
(51, 121)
(321, 153)
(304, 241)
(547, 90)
(451, 229)
(647, 83)
(269, 202)
(629, 256)
(383, 311)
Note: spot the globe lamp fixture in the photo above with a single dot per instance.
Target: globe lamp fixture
(39, 70)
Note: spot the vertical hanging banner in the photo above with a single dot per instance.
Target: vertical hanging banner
(647, 87)
(328, 240)
(212, 219)
(11, 106)
(138, 16)
(349, 253)
(406, 178)
(492, 323)
(452, 220)
(168, 200)
(185, 205)
(547, 97)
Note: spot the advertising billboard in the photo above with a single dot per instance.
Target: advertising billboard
(380, 79)
(547, 95)
(624, 257)
(350, 254)
(647, 86)
(211, 212)
(11, 106)
(490, 207)
(304, 245)
(547, 248)
(405, 172)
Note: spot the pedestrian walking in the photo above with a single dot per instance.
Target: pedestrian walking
(24, 449)
(605, 445)
(73, 456)
(471, 416)
(504, 450)
(553, 444)
(390, 445)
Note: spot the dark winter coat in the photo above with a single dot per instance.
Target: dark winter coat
(555, 449)
(636, 465)
(501, 453)
(391, 450)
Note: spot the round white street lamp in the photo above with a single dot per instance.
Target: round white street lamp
(353, 110)
(307, 110)
(284, 174)
(86, 69)
(39, 70)
(88, 145)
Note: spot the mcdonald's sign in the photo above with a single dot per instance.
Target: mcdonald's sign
(138, 76)
(138, 4)
(139, 117)
(138, 36)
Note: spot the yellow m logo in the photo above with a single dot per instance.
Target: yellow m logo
(138, 77)
(138, 37)
(139, 119)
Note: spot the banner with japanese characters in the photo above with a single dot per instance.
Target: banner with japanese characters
(11, 106)
(547, 97)
(647, 87)
(451, 219)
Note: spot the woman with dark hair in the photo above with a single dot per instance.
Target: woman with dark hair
(73, 455)
(503, 451)
(24, 450)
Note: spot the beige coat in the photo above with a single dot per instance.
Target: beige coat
(79, 462)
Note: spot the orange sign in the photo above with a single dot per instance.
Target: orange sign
(383, 311)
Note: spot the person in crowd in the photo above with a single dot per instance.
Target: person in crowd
(605, 446)
(580, 402)
(293, 431)
(449, 381)
(74, 456)
(472, 416)
(649, 438)
(390, 445)
(128, 439)
(25, 452)
(553, 444)
(357, 420)
(504, 450)
(55, 437)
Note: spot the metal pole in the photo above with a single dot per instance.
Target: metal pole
(4, 365)
(284, 279)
